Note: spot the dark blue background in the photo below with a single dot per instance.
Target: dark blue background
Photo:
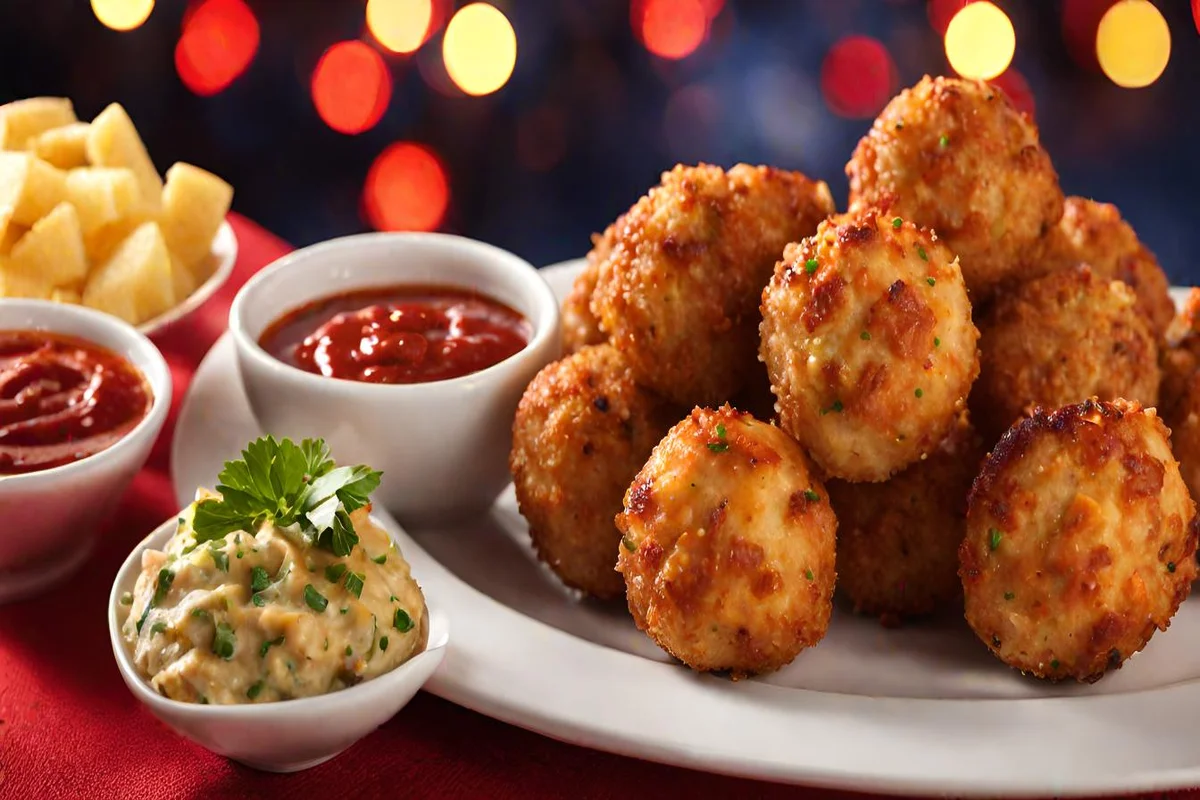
(754, 97)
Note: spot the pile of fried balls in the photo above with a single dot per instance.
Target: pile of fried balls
(943, 398)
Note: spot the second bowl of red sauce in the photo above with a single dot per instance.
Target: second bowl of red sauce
(398, 334)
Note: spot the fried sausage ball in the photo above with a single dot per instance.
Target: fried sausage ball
(868, 339)
(897, 549)
(579, 325)
(679, 292)
(728, 545)
(1183, 418)
(1179, 396)
(1095, 234)
(956, 156)
(582, 431)
(1081, 540)
(1061, 339)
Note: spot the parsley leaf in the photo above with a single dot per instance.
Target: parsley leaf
(334, 572)
(290, 484)
(354, 583)
(267, 645)
(161, 587)
(219, 557)
(224, 641)
(259, 579)
(316, 601)
(401, 621)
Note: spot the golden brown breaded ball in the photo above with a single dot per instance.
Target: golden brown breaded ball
(1061, 339)
(580, 327)
(582, 431)
(1095, 234)
(1180, 354)
(728, 545)
(897, 549)
(1081, 540)
(1179, 395)
(679, 292)
(956, 155)
(1183, 418)
(868, 339)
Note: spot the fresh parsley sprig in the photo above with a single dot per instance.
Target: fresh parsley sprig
(290, 484)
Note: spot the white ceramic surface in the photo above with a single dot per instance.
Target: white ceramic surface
(220, 264)
(49, 519)
(442, 446)
(290, 735)
(920, 710)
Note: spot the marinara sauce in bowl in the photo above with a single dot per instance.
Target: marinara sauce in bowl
(82, 399)
(406, 351)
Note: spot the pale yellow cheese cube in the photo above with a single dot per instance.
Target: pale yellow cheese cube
(194, 204)
(29, 188)
(22, 120)
(182, 279)
(65, 147)
(17, 284)
(12, 235)
(52, 251)
(71, 296)
(135, 282)
(101, 242)
(102, 195)
(113, 142)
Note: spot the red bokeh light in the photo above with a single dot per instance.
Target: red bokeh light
(219, 40)
(406, 189)
(672, 29)
(1017, 88)
(858, 77)
(1196, 14)
(712, 8)
(1080, 21)
(942, 11)
(351, 87)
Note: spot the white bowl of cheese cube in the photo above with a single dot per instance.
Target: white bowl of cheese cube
(85, 217)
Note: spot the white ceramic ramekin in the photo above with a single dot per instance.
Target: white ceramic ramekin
(289, 735)
(49, 519)
(442, 446)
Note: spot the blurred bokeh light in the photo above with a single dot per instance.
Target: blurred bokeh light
(1133, 43)
(406, 189)
(399, 25)
(980, 41)
(1080, 20)
(942, 11)
(480, 49)
(218, 43)
(858, 77)
(671, 29)
(122, 15)
(351, 87)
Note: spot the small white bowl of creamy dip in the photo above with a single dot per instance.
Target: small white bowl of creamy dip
(286, 735)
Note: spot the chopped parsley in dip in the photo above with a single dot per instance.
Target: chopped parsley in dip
(272, 586)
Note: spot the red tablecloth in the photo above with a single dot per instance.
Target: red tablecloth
(70, 729)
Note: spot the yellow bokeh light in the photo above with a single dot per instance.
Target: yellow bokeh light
(122, 15)
(980, 41)
(1133, 43)
(399, 25)
(480, 49)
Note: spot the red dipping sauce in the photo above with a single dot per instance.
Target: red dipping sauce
(63, 399)
(398, 334)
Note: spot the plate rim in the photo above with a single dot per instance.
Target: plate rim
(838, 741)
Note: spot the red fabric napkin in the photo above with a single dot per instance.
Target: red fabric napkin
(70, 729)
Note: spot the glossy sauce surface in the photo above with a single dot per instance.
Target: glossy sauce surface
(398, 334)
(63, 399)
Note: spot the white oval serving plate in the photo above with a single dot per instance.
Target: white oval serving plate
(919, 710)
(220, 262)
